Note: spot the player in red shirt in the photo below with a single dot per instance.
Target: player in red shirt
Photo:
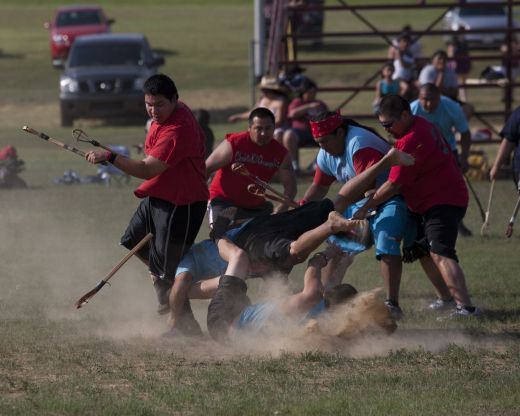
(174, 192)
(434, 189)
(262, 156)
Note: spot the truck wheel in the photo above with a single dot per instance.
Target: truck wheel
(65, 117)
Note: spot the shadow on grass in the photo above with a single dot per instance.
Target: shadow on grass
(165, 52)
(11, 55)
(502, 315)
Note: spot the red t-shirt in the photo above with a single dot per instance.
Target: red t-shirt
(261, 161)
(302, 122)
(435, 178)
(179, 142)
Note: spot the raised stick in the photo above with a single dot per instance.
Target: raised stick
(81, 136)
(486, 219)
(54, 141)
(509, 230)
(87, 296)
(242, 170)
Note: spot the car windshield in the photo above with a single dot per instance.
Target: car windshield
(107, 54)
(78, 17)
(482, 11)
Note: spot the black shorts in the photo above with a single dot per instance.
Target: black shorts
(268, 238)
(439, 229)
(174, 227)
(216, 205)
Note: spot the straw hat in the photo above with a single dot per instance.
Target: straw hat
(269, 82)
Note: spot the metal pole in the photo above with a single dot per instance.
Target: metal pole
(259, 42)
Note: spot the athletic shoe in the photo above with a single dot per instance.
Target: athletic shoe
(442, 305)
(395, 310)
(463, 312)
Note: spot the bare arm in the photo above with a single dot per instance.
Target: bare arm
(355, 188)
(505, 149)
(221, 156)
(288, 180)
(383, 193)
(147, 168)
(316, 192)
(312, 292)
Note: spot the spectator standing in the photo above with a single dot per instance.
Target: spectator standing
(301, 110)
(174, 192)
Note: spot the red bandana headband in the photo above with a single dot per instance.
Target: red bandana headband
(327, 126)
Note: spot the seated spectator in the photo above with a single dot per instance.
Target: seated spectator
(415, 46)
(275, 98)
(459, 58)
(440, 74)
(301, 110)
(386, 85)
(404, 65)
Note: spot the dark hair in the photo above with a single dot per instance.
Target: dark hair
(346, 123)
(439, 53)
(306, 85)
(388, 64)
(405, 36)
(393, 105)
(338, 294)
(261, 112)
(431, 88)
(161, 84)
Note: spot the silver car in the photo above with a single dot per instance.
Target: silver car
(479, 17)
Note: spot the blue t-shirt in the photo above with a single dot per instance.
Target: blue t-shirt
(258, 316)
(447, 116)
(342, 167)
(511, 130)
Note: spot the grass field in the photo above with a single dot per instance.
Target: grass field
(108, 357)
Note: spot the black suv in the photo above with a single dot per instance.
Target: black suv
(104, 76)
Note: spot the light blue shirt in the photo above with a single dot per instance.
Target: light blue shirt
(342, 167)
(447, 116)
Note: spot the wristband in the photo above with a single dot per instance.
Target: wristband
(112, 157)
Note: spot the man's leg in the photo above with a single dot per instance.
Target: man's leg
(454, 278)
(309, 241)
(391, 271)
(290, 141)
(181, 315)
(441, 232)
(444, 297)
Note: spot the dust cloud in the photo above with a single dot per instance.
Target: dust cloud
(49, 263)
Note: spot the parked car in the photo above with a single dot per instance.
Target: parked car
(104, 75)
(70, 22)
(479, 17)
